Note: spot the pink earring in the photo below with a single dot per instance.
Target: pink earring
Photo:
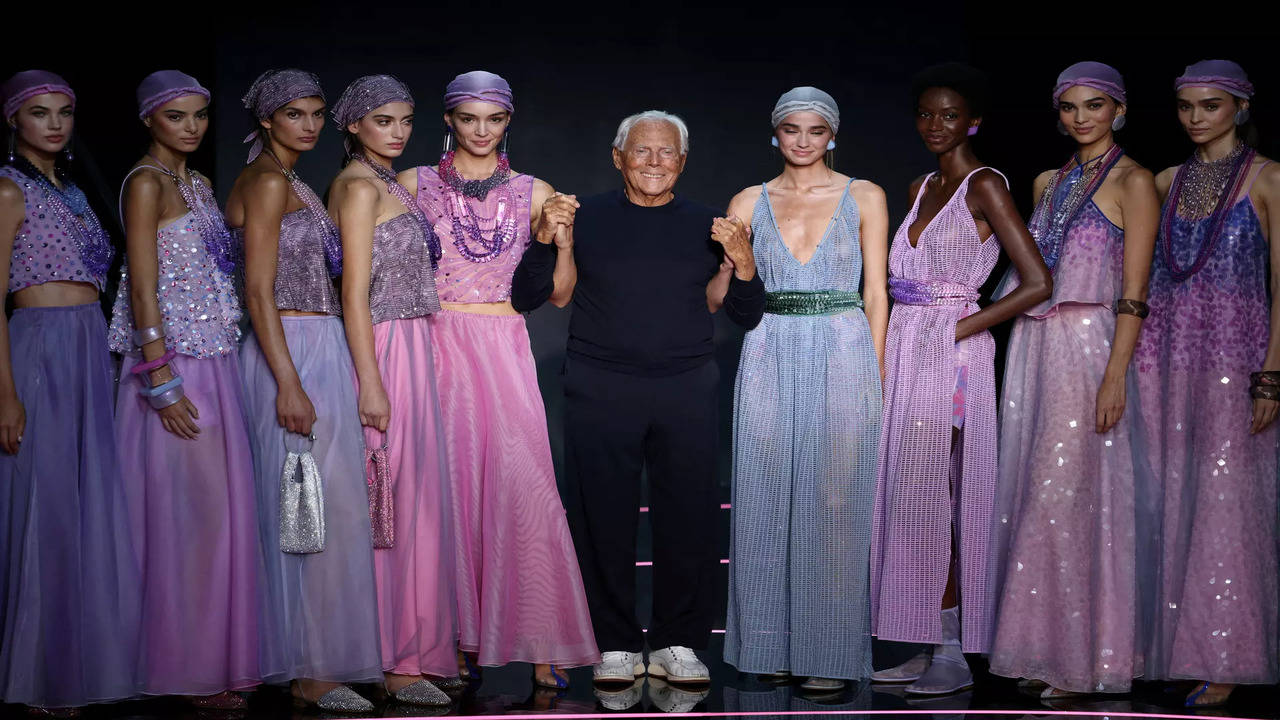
(973, 130)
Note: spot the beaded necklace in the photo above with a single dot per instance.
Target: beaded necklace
(1197, 181)
(198, 197)
(331, 238)
(72, 209)
(468, 232)
(401, 193)
(1068, 191)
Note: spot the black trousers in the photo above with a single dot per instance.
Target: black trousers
(617, 424)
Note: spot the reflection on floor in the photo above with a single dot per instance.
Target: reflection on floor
(508, 691)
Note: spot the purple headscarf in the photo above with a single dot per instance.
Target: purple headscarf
(29, 83)
(162, 86)
(273, 90)
(1221, 74)
(1096, 75)
(367, 94)
(478, 86)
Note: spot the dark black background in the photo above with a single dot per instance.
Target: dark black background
(576, 71)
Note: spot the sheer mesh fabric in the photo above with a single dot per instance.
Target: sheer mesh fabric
(806, 434)
(914, 509)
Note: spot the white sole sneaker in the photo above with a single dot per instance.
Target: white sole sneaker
(658, 671)
(637, 671)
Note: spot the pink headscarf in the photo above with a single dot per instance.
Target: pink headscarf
(27, 84)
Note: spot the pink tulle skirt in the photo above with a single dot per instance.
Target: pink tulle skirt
(519, 591)
(415, 576)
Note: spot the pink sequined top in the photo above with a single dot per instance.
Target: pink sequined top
(198, 302)
(43, 250)
(459, 279)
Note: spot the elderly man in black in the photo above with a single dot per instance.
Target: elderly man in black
(640, 388)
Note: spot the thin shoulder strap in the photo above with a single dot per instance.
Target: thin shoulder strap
(1256, 174)
(985, 167)
(915, 206)
(125, 183)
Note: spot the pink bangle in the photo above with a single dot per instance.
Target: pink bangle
(146, 367)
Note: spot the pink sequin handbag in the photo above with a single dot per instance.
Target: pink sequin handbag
(381, 506)
(301, 502)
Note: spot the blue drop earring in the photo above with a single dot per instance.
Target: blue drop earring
(774, 141)
(831, 145)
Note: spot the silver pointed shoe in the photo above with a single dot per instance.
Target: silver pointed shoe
(450, 684)
(424, 693)
(343, 699)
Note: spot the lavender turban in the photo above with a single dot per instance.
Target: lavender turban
(162, 86)
(478, 86)
(810, 99)
(365, 95)
(1096, 75)
(27, 84)
(1221, 74)
(273, 90)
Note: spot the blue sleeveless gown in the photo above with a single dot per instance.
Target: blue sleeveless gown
(805, 442)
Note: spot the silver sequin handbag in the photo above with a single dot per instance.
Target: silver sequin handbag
(301, 501)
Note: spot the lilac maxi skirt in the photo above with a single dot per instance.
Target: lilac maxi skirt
(520, 594)
(69, 588)
(416, 603)
(323, 604)
(194, 519)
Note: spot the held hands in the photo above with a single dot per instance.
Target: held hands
(735, 237)
(294, 410)
(13, 421)
(557, 220)
(1110, 402)
(375, 408)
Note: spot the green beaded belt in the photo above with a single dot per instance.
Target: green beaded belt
(815, 302)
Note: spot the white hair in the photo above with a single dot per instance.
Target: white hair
(624, 129)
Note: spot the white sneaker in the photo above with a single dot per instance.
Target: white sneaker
(618, 666)
(678, 664)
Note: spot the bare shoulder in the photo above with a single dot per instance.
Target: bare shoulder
(749, 195)
(866, 192)
(541, 190)
(1269, 176)
(258, 181)
(1134, 177)
(355, 189)
(1164, 178)
(914, 188)
(988, 183)
(408, 179)
(11, 197)
(146, 183)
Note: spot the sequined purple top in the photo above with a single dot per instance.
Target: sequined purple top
(401, 285)
(43, 250)
(302, 277)
(461, 280)
(1090, 269)
(198, 302)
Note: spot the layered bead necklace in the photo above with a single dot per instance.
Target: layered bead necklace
(198, 197)
(1202, 190)
(468, 228)
(72, 209)
(1068, 191)
(388, 176)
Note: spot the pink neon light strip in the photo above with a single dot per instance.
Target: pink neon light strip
(723, 506)
(840, 713)
(649, 563)
(713, 632)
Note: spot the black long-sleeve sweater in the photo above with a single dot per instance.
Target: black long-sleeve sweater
(640, 304)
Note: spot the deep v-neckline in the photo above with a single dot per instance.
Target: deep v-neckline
(924, 188)
(773, 218)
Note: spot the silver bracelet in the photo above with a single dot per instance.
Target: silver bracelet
(144, 336)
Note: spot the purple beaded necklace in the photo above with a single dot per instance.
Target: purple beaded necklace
(465, 224)
(1067, 192)
(198, 197)
(400, 193)
(71, 207)
(331, 237)
(1217, 219)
